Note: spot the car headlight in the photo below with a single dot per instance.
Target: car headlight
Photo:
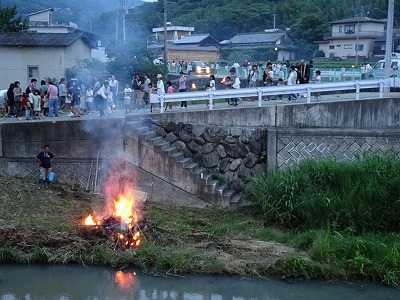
(208, 69)
(198, 69)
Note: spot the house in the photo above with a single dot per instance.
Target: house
(183, 45)
(352, 37)
(45, 50)
(380, 46)
(269, 40)
(174, 33)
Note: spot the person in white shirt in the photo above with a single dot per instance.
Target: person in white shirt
(127, 98)
(89, 100)
(103, 96)
(292, 80)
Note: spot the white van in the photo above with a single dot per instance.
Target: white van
(380, 65)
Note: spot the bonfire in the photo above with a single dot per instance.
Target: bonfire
(121, 226)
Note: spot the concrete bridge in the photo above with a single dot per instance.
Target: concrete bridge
(197, 156)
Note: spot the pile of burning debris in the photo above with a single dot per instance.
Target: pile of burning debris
(121, 227)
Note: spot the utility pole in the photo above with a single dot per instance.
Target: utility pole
(123, 20)
(274, 21)
(116, 27)
(358, 37)
(165, 55)
(389, 38)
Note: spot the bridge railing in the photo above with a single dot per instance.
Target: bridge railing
(260, 92)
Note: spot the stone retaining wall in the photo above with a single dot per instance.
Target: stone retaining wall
(232, 155)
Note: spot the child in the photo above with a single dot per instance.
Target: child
(36, 104)
(280, 82)
(170, 90)
(208, 88)
(152, 92)
(227, 83)
(89, 100)
(318, 80)
(68, 105)
(127, 98)
(26, 106)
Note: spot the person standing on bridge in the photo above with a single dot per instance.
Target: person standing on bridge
(102, 97)
(292, 80)
(182, 88)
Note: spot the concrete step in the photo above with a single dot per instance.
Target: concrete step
(185, 161)
(142, 129)
(235, 201)
(201, 170)
(213, 182)
(206, 177)
(133, 124)
(177, 155)
(162, 144)
(170, 150)
(150, 134)
(226, 192)
(155, 139)
(192, 167)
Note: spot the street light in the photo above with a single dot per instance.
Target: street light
(165, 41)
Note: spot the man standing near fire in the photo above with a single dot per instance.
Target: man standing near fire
(44, 159)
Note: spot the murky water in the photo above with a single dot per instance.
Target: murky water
(98, 283)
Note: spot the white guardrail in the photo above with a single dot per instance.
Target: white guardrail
(260, 92)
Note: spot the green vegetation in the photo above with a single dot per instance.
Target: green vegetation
(345, 216)
(9, 21)
(320, 220)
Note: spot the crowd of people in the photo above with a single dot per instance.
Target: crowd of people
(50, 99)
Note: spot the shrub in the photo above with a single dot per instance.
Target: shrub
(360, 196)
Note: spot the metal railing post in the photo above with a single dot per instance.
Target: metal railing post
(358, 90)
(381, 87)
(210, 101)
(259, 92)
(308, 94)
(162, 103)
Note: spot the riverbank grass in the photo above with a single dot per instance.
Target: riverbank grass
(345, 216)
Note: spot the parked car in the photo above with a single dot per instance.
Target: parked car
(200, 67)
(380, 66)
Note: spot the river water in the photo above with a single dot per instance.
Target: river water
(101, 283)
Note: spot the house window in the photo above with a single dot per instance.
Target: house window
(340, 29)
(360, 47)
(348, 46)
(331, 46)
(349, 29)
(383, 47)
(33, 72)
(338, 45)
(359, 28)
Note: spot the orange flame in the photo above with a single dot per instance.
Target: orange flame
(89, 220)
(124, 209)
(223, 80)
(194, 86)
(124, 280)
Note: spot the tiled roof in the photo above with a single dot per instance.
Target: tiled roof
(192, 39)
(192, 48)
(28, 39)
(256, 38)
(357, 19)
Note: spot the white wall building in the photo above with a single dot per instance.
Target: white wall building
(352, 37)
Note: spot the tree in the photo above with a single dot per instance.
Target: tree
(8, 20)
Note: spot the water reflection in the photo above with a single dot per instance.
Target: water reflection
(96, 283)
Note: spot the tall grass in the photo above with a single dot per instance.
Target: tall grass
(360, 196)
